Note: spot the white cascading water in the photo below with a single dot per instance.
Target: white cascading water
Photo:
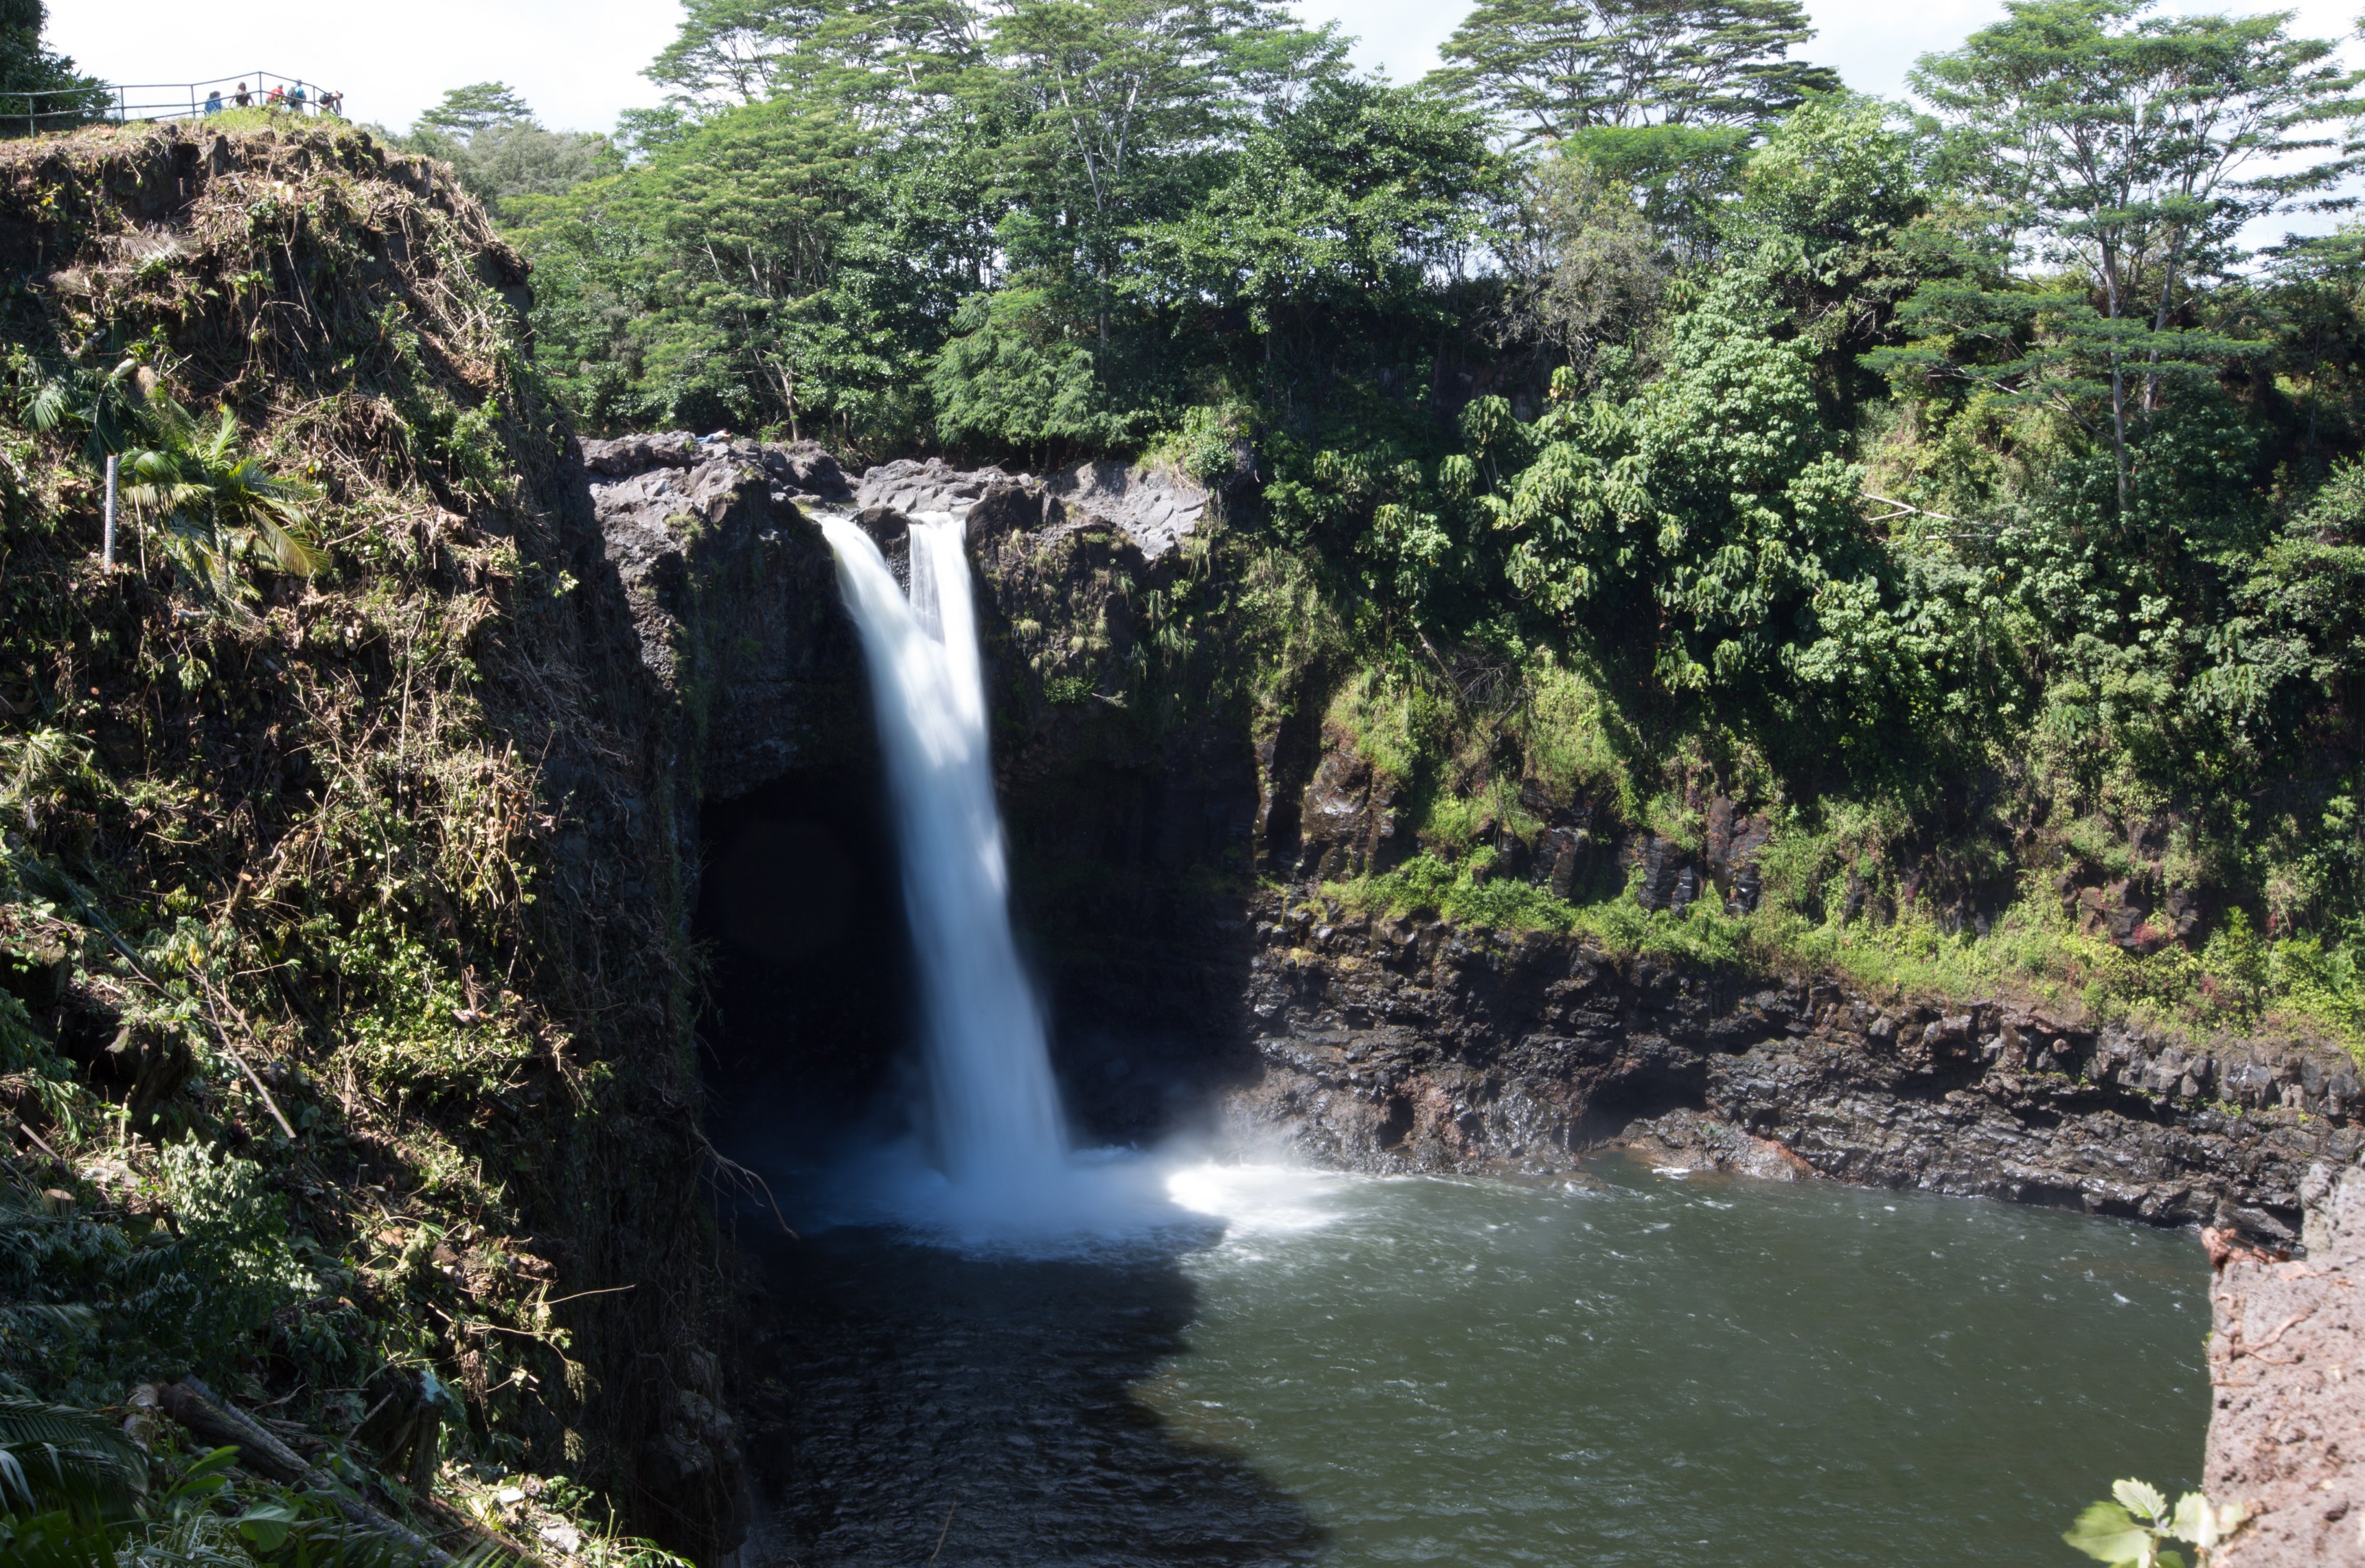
(993, 1107)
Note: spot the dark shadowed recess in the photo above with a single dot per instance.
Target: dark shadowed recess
(1129, 893)
(811, 984)
(901, 1397)
(1133, 935)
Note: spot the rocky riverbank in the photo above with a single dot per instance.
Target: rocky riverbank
(1409, 1046)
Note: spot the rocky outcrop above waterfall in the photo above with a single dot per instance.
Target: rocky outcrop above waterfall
(794, 468)
(1421, 1045)
(733, 598)
(732, 591)
(2286, 1356)
(1156, 509)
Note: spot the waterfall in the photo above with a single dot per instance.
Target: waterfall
(992, 1108)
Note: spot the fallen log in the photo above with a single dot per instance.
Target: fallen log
(218, 1421)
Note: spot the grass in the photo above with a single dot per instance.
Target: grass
(2236, 982)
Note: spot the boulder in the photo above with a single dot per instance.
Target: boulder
(1669, 880)
(1157, 506)
(1348, 820)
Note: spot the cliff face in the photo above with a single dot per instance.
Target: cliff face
(362, 883)
(1405, 1046)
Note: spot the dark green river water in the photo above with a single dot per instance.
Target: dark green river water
(1633, 1369)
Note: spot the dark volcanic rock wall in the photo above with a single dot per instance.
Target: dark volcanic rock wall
(1405, 1046)
(734, 599)
(1138, 817)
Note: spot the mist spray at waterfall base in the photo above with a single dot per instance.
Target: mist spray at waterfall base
(991, 1164)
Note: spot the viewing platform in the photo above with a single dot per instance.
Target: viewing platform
(123, 103)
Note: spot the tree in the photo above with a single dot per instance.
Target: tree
(1340, 211)
(40, 87)
(1124, 102)
(2133, 150)
(468, 110)
(1682, 178)
(1700, 541)
(1595, 272)
(488, 133)
(884, 62)
(776, 266)
(1830, 212)
(734, 50)
(1556, 67)
(520, 158)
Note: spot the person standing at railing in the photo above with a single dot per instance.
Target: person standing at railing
(242, 100)
(213, 102)
(278, 98)
(333, 104)
(295, 99)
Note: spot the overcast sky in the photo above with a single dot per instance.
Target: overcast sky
(578, 62)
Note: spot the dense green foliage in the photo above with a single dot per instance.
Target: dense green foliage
(40, 88)
(498, 149)
(1959, 478)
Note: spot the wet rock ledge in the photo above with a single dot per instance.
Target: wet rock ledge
(1402, 1046)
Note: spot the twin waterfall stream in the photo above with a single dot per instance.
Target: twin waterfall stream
(993, 1110)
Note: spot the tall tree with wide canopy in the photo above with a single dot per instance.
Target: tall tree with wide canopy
(1552, 68)
(2131, 150)
(1124, 101)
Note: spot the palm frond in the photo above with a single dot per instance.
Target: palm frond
(289, 552)
(55, 1452)
(50, 406)
(22, 1317)
(175, 428)
(225, 436)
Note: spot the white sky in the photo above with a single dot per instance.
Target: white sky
(578, 62)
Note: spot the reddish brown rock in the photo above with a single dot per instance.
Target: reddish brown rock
(2287, 1437)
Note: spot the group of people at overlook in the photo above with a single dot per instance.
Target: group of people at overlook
(293, 100)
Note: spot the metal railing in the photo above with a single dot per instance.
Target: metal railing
(61, 108)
